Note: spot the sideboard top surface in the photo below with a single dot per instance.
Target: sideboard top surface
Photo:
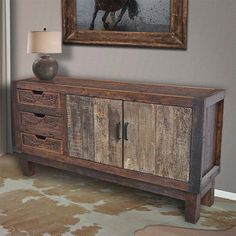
(66, 84)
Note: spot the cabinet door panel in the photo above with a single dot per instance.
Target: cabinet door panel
(92, 129)
(173, 138)
(159, 139)
(139, 150)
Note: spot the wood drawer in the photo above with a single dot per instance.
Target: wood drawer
(38, 98)
(42, 143)
(49, 126)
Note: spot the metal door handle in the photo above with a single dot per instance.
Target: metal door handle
(126, 131)
(118, 131)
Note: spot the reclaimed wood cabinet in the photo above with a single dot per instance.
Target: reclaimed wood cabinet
(160, 138)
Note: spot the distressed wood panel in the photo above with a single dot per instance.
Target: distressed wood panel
(107, 114)
(92, 129)
(139, 150)
(38, 98)
(173, 140)
(159, 139)
(42, 143)
(36, 123)
(209, 137)
(80, 123)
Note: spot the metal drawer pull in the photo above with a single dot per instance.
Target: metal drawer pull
(126, 131)
(118, 131)
(37, 92)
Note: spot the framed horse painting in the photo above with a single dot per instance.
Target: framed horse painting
(143, 23)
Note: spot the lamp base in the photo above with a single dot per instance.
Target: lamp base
(45, 67)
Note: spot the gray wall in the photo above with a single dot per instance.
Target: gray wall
(209, 61)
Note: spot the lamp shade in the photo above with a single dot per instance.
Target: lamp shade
(44, 42)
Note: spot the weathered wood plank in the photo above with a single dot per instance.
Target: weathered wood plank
(107, 114)
(101, 131)
(115, 144)
(197, 144)
(209, 137)
(87, 127)
(209, 197)
(74, 136)
(219, 127)
(139, 149)
(192, 207)
(80, 122)
(69, 165)
(173, 136)
(159, 139)
(69, 84)
(149, 93)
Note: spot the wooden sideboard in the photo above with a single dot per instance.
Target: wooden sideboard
(159, 138)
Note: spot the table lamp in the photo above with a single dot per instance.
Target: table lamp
(44, 43)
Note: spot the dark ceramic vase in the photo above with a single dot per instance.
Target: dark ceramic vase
(45, 67)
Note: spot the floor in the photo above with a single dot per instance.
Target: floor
(55, 202)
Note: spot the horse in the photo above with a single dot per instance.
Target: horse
(111, 6)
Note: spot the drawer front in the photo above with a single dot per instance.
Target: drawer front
(49, 126)
(38, 98)
(41, 143)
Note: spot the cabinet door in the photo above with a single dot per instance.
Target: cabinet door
(93, 127)
(159, 139)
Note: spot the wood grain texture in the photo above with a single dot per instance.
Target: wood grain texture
(113, 170)
(125, 181)
(38, 98)
(210, 138)
(16, 138)
(173, 141)
(80, 124)
(192, 207)
(209, 197)
(219, 128)
(27, 167)
(69, 84)
(150, 93)
(159, 140)
(197, 145)
(42, 143)
(139, 149)
(36, 123)
(175, 38)
(107, 114)
(92, 129)
(68, 17)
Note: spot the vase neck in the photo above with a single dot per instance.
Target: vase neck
(45, 56)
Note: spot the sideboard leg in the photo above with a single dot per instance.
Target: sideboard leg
(27, 167)
(209, 197)
(192, 207)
